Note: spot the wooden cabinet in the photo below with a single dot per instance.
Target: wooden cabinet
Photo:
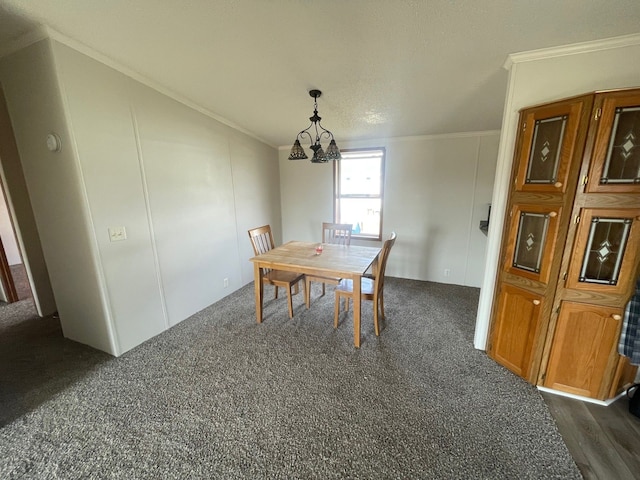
(533, 237)
(547, 159)
(549, 136)
(584, 356)
(518, 325)
(615, 165)
(605, 252)
(571, 242)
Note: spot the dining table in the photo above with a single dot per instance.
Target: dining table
(343, 261)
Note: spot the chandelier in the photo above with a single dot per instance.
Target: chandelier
(319, 155)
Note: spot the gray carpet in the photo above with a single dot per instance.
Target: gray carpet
(219, 396)
(20, 281)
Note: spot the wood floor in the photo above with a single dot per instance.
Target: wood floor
(604, 441)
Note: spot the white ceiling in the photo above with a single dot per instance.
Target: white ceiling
(386, 67)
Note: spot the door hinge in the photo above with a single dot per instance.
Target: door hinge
(558, 310)
(577, 219)
(524, 126)
(585, 179)
(596, 117)
(564, 276)
(543, 376)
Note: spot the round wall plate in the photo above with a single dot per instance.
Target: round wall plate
(53, 142)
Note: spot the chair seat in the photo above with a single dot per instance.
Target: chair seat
(329, 280)
(279, 276)
(367, 286)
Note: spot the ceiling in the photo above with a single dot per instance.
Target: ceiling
(387, 68)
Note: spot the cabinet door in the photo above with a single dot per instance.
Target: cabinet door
(605, 254)
(532, 240)
(584, 355)
(516, 329)
(548, 142)
(615, 165)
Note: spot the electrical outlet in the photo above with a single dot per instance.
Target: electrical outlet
(447, 272)
(117, 234)
(225, 283)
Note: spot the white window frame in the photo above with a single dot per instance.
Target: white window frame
(338, 196)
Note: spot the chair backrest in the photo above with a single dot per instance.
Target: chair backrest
(382, 262)
(261, 239)
(337, 233)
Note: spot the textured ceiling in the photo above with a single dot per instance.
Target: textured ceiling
(386, 68)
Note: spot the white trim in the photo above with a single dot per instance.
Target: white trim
(498, 205)
(414, 138)
(606, 403)
(572, 49)
(48, 32)
(147, 205)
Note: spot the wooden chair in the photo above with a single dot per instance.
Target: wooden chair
(371, 288)
(335, 233)
(262, 241)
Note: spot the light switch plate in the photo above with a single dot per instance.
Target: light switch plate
(117, 234)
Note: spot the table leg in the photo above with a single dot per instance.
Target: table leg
(357, 302)
(259, 290)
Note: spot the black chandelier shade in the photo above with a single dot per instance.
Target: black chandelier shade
(319, 154)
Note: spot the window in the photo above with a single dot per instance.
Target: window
(358, 187)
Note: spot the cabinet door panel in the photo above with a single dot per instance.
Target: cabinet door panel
(548, 143)
(584, 353)
(516, 328)
(606, 250)
(615, 165)
(532, 239)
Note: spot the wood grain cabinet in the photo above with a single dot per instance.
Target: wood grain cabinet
(518, 326)
(571, 244)
(583, 356)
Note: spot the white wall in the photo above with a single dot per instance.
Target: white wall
(138, 159)
(32, 110)
(437, 189)
(539, 77)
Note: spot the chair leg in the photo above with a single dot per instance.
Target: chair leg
(290, 302)
(307, 292)
(323, 290)
(376, 326)
(275, 291)
(304, 288)
(381, 296)
(336, 311)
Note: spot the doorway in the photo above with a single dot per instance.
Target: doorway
(13, 273)
(16, 279)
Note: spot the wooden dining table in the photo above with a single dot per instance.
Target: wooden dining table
(344, 261)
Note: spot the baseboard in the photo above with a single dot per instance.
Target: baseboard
(606, 403)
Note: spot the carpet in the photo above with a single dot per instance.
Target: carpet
(21, 281)
(219, 396)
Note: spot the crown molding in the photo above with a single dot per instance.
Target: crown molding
(572, 49)
(413, 138)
